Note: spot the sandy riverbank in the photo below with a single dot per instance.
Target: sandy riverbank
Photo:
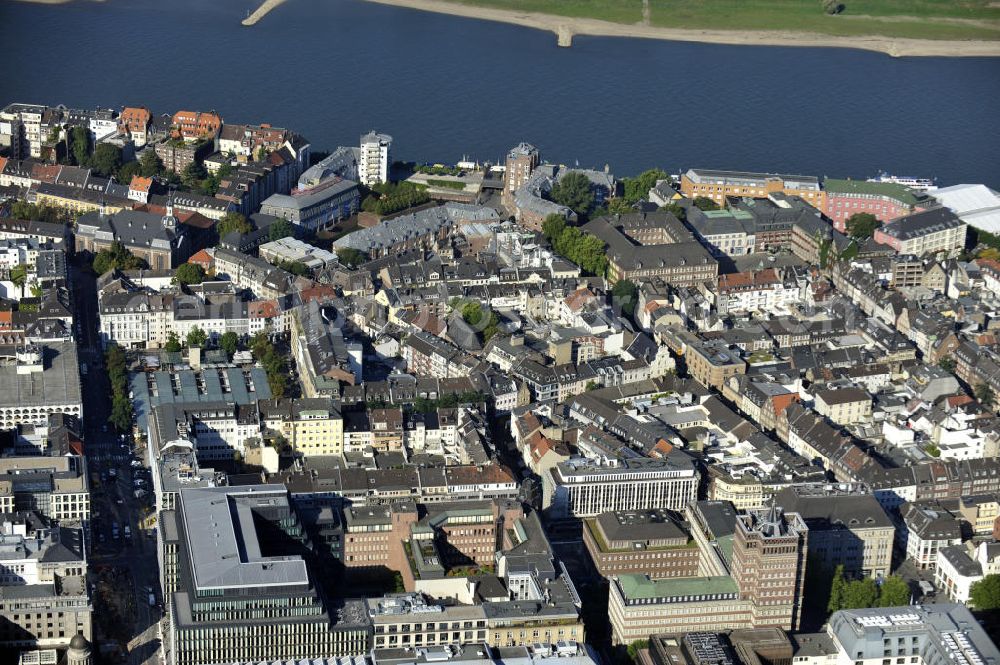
(261, 11)
(566, 27)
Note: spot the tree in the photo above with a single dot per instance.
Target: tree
(280, 229)
(637, 188)
(297, 268)
(233, 222)
(229, 342)
(859, 594)
(634, 648)
(894, 592)
(862, 225)
(676, 210)
(192, 174)
(553, 226)
(619, 206)
(149, 163)
(705, 203)
(121, 404)
(127, 171)
(80, 145)
(947, 364)
(625, 295)
(574, 192)
(351, 257)
(34, 212)
(19, 276)
(836, 589)
(107, 159)
(985, 395)
(116, 256)
(189, 273)
(173, 344)
(985, 594)
(196, 337)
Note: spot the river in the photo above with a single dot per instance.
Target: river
(448, 87)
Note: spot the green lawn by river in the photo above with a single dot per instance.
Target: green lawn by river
(922, 19)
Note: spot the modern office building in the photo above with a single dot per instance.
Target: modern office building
(580, 487)
(37, 380)
(56, 488)
(932, 634)
(242, 589)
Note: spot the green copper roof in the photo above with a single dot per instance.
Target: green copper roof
(890, 189)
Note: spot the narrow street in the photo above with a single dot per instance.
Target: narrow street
(123, 557)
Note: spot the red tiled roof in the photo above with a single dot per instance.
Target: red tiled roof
(202, 258)
(140, 184)
(262, 309)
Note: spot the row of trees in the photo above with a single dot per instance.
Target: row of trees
(121, 405)
(857, 594)
(387, 198)
(38, 213)
(273, 363)
(583, 249)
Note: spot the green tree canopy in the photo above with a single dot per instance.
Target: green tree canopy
(351, 257)
(862, 225)
(80, 145)
(619, 206)
(625, 295)
(19, 275)
(116, 256)
(107, 159)
(127, 171)
(553, 226)
(189, 273)
(149, 163)
(859, 594)
(173, 344)
(387, 198)
(894, 592)
(985, 594)
(676, 210)
(583, 249)
(232, 221)
(229, 342)
(574, 191)
(280, 229)
(836, 589)
(121, 405)
(986, 396)
(196, 337)
(705, 203)
(192, 174)
(637, 188)
(947, 364)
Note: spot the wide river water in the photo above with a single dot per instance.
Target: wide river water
(448, 87)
